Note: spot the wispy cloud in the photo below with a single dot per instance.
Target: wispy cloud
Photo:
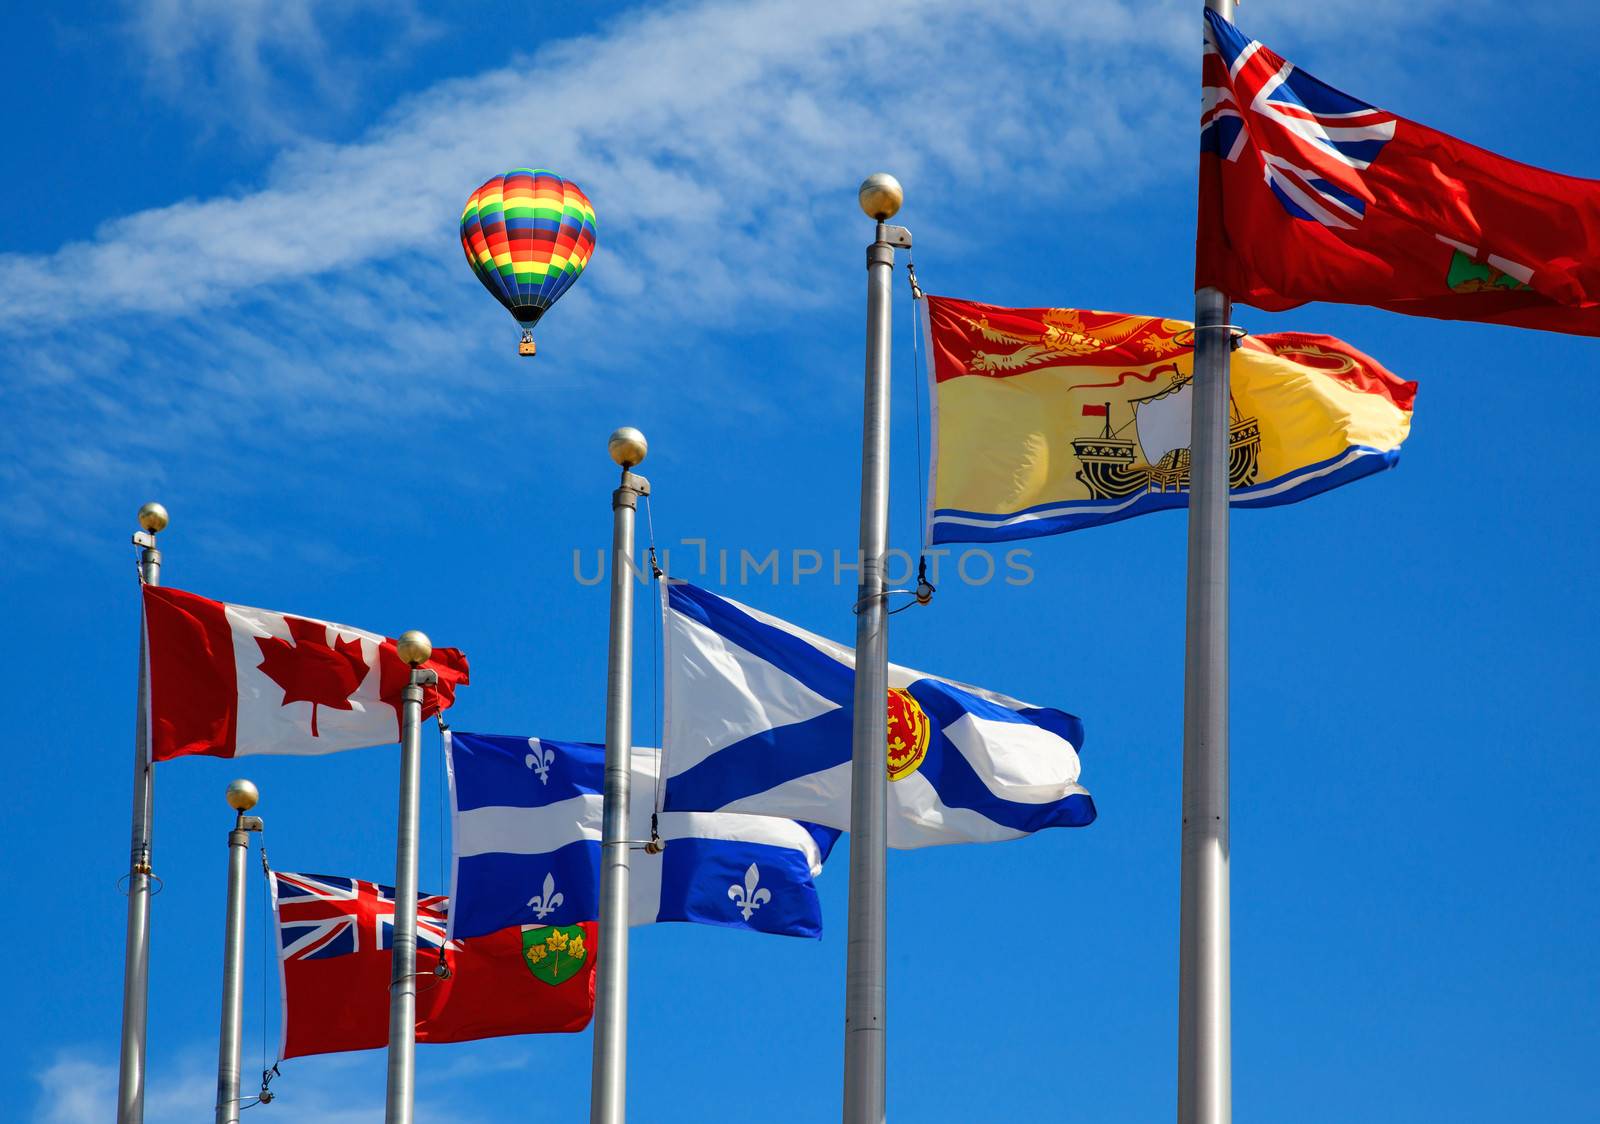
(340, 1089)
(720, 142)
(74, 1091)
(268, 68)
(715, 126)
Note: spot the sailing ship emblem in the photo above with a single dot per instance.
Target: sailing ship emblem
(1156, 457)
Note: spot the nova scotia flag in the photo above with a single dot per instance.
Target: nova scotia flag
(758, 720)
(526, 836)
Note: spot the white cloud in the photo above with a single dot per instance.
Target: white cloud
(73, 1091)
(721, 143)
(76, 1090)
(714, 127)
(338, 1089)
(267, 67)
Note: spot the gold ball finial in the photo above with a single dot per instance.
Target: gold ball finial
(414, 647)
(627, 446)
(881, 196)
(242, 795)
(153, 518)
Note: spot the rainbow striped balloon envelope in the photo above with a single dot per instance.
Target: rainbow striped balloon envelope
(528, 234)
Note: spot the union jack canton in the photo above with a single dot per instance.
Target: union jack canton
(321, 916)
(1313, 141)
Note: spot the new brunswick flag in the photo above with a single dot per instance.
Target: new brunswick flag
(1052, 419)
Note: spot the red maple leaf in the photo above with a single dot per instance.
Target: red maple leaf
(310, 671)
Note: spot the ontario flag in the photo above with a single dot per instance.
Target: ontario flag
(228, 680)
(1309, 194)
(335, 941)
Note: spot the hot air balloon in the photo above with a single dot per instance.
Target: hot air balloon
(528, 235)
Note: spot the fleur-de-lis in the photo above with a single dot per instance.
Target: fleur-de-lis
(747, 898)
(543, 905)
(540, 760)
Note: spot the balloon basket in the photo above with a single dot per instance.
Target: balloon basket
(525, 347)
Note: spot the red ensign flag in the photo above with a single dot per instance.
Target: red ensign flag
(229, 680)
(334, 953)
(1308, 194)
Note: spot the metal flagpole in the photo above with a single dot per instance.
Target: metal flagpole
(414, 648)
(242, 796)
(1205, 1032)
(867, 961)
(608, 1080)
(136, 956)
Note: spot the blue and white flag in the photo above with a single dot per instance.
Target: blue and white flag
(758, 720)
(526, 835)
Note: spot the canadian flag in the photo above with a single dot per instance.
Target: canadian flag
(229, 680)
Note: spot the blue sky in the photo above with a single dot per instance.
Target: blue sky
(229, 280)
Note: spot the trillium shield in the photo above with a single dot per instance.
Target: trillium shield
(554, 953)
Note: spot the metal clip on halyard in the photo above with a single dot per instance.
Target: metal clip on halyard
(925, 588)
(652, 846)
(266, 1094)
(922, 594)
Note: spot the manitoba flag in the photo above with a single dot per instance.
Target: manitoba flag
(229, 680)
(335, 941)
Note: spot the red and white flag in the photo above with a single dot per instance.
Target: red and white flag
(229, 680)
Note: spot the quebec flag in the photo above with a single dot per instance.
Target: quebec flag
(526, 836)
(758, 720)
